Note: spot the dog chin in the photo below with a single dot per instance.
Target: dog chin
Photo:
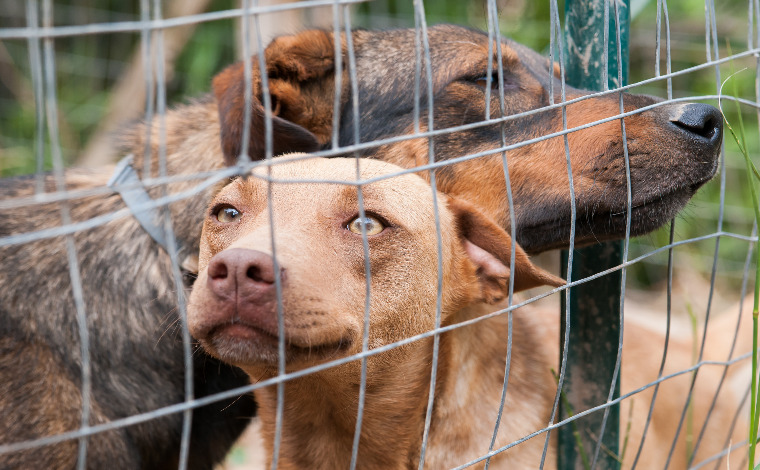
(653, 214)
(241, 345)
(596, 225)
(246, 346)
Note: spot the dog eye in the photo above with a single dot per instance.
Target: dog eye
(371, 224)
(484, 82)
(226, 214)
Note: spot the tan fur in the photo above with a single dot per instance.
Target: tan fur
(643, 349)
(323, 302)
(642, 355)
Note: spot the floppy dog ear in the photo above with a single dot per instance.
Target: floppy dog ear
(489, 247)
(300, 78)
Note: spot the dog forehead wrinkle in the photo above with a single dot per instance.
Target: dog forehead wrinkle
(446, 42)
(334, 171)
(386, 95)
(394, 50)
(405, 198)
(246, 190)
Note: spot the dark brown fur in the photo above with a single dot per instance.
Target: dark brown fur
(128, 288)
(130, 302)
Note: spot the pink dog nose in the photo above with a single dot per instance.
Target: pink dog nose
(241, 273)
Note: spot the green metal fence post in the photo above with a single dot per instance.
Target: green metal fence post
(594, 306)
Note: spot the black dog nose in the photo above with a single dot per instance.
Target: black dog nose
(702, 121)
(241, 273)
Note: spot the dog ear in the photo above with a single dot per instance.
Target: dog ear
(556, 70)
(300, 79)
(489, 247)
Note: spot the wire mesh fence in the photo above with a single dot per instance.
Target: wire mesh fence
(99, 364)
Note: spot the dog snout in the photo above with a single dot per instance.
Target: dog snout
(242, 273)
(702, 123)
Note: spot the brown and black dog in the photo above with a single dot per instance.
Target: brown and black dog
(315, 229)
(128, 288)
(673, 148)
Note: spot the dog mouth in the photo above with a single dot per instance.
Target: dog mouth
(594, 225)
(244, 344)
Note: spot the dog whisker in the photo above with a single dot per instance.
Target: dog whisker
(172, 325)
(229, 405)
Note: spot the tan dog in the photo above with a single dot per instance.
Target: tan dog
(317, 235)
(233, 312)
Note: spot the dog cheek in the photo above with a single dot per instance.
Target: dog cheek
(198, 306)
(323, 296)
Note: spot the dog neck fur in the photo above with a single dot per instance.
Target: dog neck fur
(320, 410)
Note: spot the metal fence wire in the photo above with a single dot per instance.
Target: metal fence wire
(77, 331)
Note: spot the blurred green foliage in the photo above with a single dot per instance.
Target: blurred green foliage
(87, 67)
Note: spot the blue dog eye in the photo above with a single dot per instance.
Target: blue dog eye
(372, 225)
(227, 214)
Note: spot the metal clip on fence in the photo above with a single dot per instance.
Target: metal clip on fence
(127, 183)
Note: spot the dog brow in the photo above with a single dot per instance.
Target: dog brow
(350, 194)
